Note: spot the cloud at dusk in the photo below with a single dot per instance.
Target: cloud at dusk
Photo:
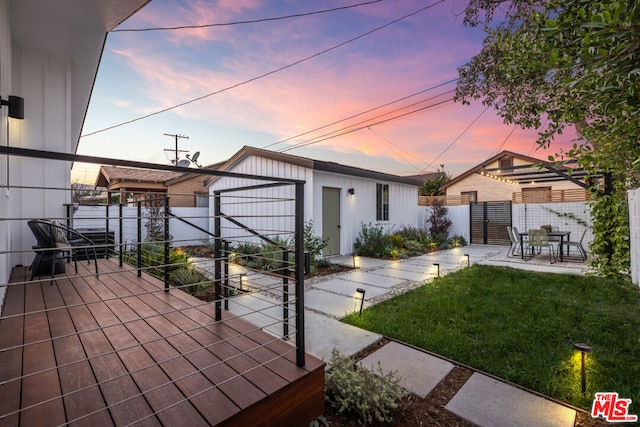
(251, 104)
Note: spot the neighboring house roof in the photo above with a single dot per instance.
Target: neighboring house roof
(546, 171)
(110, 175)
(424, 177)
(319, 165)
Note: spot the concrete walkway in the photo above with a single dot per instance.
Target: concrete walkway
(482, 400)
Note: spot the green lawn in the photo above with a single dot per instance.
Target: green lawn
(521, 326)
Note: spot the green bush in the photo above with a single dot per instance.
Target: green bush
(190, 280)
(246, 253)
(312, 243)
(413, 247)
(397, 241)
(410, 232)
(357, 391)
(373, 241)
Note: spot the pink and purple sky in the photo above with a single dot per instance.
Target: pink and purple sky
(312, 97)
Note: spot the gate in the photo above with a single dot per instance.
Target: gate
(489, 222)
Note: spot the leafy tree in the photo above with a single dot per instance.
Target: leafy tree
(433, 186)
(438, 222)
(552, 64)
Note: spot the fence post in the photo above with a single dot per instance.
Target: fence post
(299, 248)
(217, 253)
(139, 242)
(166, 244)
(106, 233)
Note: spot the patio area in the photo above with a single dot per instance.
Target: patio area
(118, 350)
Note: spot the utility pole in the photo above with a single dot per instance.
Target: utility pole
(176, 151)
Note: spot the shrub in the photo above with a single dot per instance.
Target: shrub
(245, 253)
(372, 241)
(190, 280)
(458, 240)
(438, 222)
(397, 241)
(358, 391)
(312, 243)
(410, 232)
(413, 247)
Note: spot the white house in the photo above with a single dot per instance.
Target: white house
(49, 55)
(338, 198)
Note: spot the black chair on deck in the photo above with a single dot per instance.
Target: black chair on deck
(55, 239)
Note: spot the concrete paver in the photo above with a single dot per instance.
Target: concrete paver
(419, 372)
(485, 401)
(371, 278)
(332, 304)
(348, 288)
(329, 333)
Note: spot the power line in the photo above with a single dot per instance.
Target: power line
(366, 122)
(267, 73)
(363, 112)
(458, 137)
(365, 126)
(394, 148)
(255, 21)
(497, 150)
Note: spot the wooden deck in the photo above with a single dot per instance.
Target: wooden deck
(117, 350)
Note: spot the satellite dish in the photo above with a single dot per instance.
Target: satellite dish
(184, 163)
(194, 158)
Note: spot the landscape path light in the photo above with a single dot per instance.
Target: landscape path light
(361, 292)
(584, 349)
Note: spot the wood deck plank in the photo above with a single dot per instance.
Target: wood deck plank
(155, 356)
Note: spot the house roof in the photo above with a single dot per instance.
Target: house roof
(109, 175)
(535, 170)
(319, 165)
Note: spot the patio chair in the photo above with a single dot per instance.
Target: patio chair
(514, 236)
(55, 239)
(538, 239)
(578, 245)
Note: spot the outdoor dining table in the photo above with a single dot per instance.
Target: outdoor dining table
(560, 234)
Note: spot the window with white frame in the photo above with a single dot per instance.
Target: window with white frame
(382, 202)
(202, 200)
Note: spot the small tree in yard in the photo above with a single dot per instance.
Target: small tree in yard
(438, 223)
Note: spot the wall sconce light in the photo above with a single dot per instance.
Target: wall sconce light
(468, 261)
(584, 349)
(351, 191)
(438, 266)
(16, 106)
(361, 292)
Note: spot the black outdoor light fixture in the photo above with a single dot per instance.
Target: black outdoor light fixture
(438, 266)
(16, 106)
(468, 261)
(351, 191)
(584, 349)
(361, 292)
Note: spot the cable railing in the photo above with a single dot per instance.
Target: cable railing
(188, 281)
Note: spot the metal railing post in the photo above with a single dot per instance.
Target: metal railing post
(166, 244)
(217, 255)
(226, 274)
(285, 294)
(299, 269)
(139, 242)
(120, 210)
(106, 233)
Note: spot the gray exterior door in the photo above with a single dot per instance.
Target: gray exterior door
(331, 220)
(489, 222)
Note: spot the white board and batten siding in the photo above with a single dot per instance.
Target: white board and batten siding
(354, 209)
